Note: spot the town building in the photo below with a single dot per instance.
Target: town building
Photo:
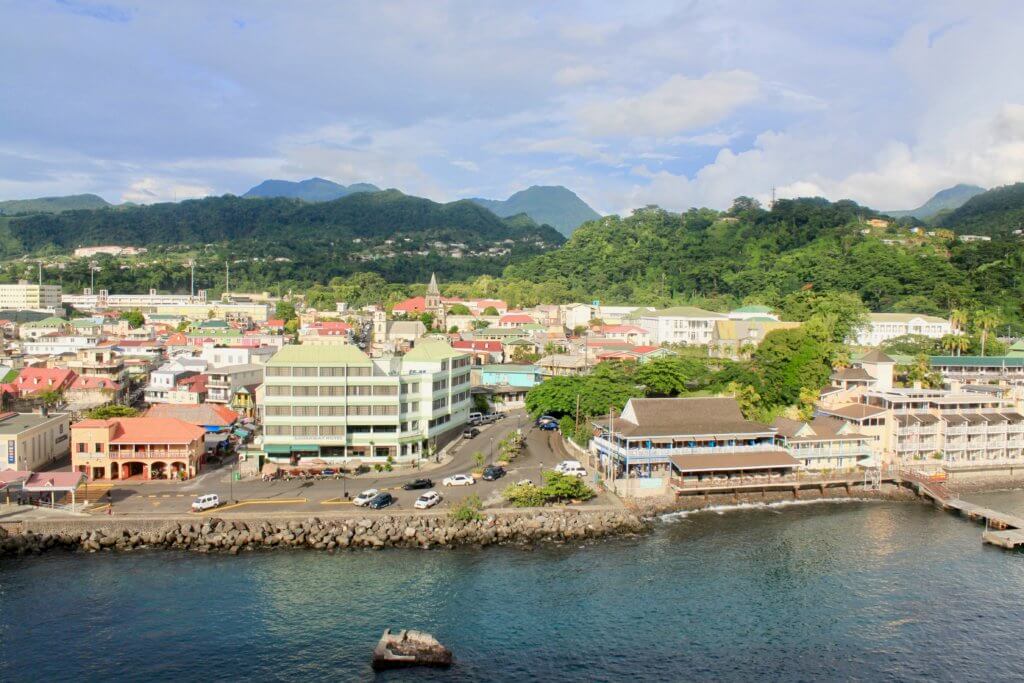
(33, 441)
(394, 336)
(565, 365)
(101, 300)
(40, 328)
(753, 312)
(33, 380)
(56, 344)
(881, 327)
(210, 416)
(737, 338)
(225, 381)
(825, 443)
(507, 384)
(26, 296)
(658, 443)
(137, 448)
(680, 325)
(335, 403)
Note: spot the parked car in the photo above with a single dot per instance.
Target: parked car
(474, 418)
(418, 484)
(459, 480)
(470, 433)
(381, 500)
(206, 502)
(427, 500)
(365, 497)
(493, 472)
(548, 426)
(489, 418)
(571, 467)
(545, 418)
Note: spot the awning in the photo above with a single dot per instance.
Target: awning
(242, 433)
(282, 449)
(758, 460)
(305, 448)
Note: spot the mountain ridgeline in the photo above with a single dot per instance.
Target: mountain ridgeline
(556, 206)
(997, 212)
(364, 215)
(942, 201)
(309, 190)
(52, 204)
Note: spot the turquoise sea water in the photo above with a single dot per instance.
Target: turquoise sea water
(848, 591)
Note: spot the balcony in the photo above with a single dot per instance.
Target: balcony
(640, 455)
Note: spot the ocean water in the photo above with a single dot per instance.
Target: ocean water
(868, 591)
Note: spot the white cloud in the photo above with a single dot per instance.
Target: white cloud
(151, 190)
(466, 165)
(581, 74)
(677, 105)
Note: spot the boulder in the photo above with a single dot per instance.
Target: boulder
(409, 648)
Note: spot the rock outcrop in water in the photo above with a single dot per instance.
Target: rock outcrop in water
(409, 648)
(234, 536)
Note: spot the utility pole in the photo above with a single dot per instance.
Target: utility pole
(40, 264)
(227, 276)
(192, 286)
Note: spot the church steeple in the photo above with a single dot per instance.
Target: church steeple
(433, 303)
(432, 288)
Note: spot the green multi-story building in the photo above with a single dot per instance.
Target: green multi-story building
(333, 402)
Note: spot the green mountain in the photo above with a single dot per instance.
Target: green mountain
(717, 260)
(278, 223)
(943, 200)
(997, 212)
(310, 190)
(556, 206)
(52, 204)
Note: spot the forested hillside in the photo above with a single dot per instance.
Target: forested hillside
(997, 212)
(365, 215)
(52, 204)
(750, 254)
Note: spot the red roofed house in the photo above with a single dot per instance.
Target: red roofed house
(515, 320)
(484, 352)
(137, 447)
(210, 416)
(92, 389)
(37, 380)
(627, 333)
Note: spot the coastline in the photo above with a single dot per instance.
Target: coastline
(244, 532)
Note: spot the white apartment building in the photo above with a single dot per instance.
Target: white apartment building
(164, 380)
(222, 356)
(882, 327)
(680, 325)
(335, 403)
(56, 344)
(25, 296)
(90, 301)
(224, 381)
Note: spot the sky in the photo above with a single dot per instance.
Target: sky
(678, 104)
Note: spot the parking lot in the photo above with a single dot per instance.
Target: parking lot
(317, 496)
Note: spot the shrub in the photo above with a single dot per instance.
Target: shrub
(468, 510)
(558, 486)
(525, 495)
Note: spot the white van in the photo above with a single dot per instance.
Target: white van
(573, 468)
(475, 418)
(207, 502)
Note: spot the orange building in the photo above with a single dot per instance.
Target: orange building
(137, 448)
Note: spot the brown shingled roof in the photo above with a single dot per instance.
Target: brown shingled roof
(687, 417)
(757, 460)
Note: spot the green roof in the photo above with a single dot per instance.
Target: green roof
(509, 367)
(985, 361)
(682, 312)
(52, 321)
(207, 324)
(753, 309)
(431, 350)
(320, 354)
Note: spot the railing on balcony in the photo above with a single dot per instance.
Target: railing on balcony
(640, 454)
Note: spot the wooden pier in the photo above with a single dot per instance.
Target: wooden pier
(1001, 529)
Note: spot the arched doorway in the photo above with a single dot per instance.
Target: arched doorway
(179, 470)
(133, 469)
(158, 470)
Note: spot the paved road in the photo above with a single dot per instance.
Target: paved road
(316, 496)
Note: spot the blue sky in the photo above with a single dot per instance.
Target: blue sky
(675, 103)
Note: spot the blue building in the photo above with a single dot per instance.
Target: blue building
(506, 385)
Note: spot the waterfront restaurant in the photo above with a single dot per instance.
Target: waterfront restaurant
(685, 440)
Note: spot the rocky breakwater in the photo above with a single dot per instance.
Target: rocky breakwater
(234, 536)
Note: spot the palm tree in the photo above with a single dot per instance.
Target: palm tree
(958, 317)
(955, 344)
(985, 320)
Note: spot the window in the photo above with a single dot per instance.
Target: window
(304, 411)
(385, 391)
(278, 430)
(276, 371)
(332, 430)
(332, 411)
(440, 402)
(278, 411)
(81, 448)
(304, 391)
(304, 430)
(359, 429)
(359, 390)
(278, 391)
(385, 410)
(304, 372)
(440, 384)
(332, 391)
(332, 372)
(360, 372)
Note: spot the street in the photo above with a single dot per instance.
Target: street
(161, 498)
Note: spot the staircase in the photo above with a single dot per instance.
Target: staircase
(92, 493)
